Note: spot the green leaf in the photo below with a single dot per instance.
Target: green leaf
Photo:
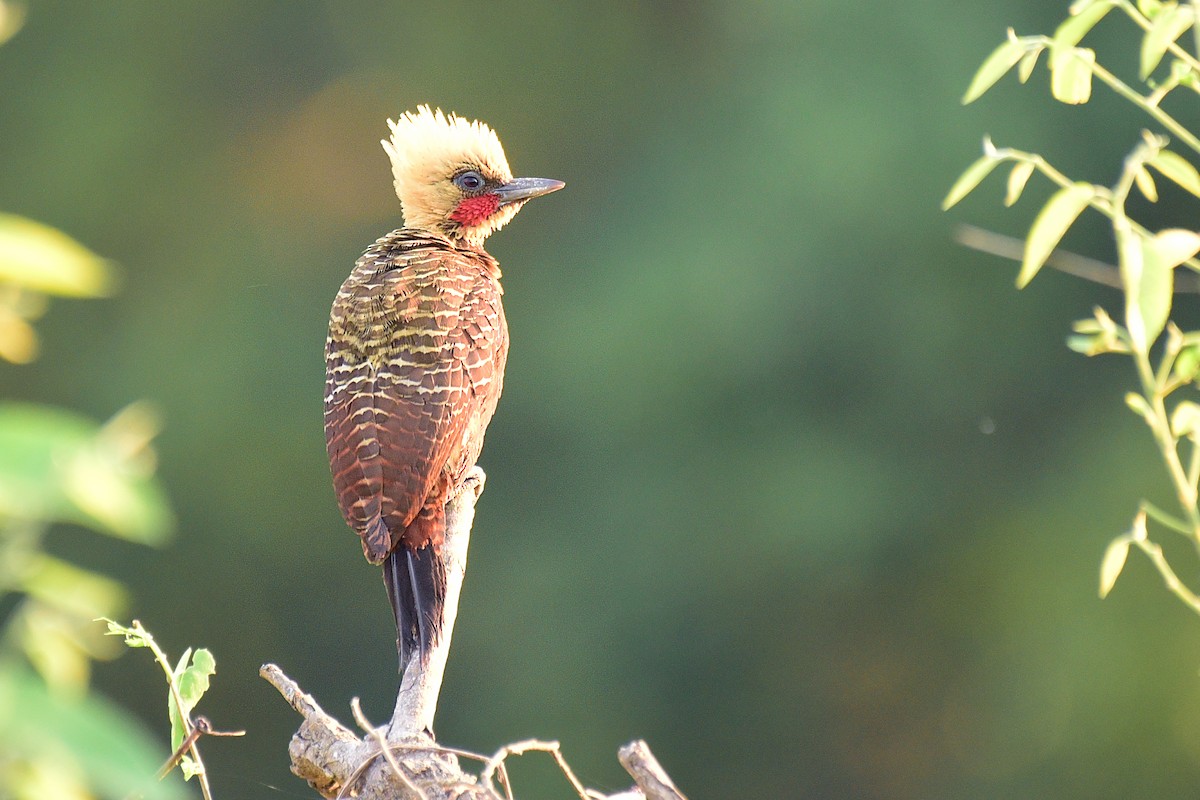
(1052, 222)
(114, 750)
(68, 588)
(1112, 563)
(1150, 282)
(1071, 74)
(970, 178)
(56, 466)
(1017, 179)
(37, 257)
(1149, 8)
(994, 67)
(1187, 363)
(1084, 18)
(1169, 24)
(1145, 184)
(1185, 420)
(1178, 169)
(191, 682)
(1175, 245)
(1028, 62)
(1138, 405)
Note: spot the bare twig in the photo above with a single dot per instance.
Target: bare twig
(647, 773)
(1090, 269)
(374, 733)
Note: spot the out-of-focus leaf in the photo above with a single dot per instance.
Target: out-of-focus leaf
(52, 642)
(1028, 62)
(116, 754)
(970, 178)
(58, 466)
(1178, 169)
(994, 67)
(73, 590)
(12, 18)
(1145, 184)
(1185, 420)
(1112, 563)
(1083, 18)
(1187, 363)
(44, 259)
(1017, 179)
(1149, 282)
(1052, 222)
(1168, 25)
(1071, 74)
(1149, 7)
(18, 341)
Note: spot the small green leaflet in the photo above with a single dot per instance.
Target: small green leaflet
(1168, 25)
(994, 67)
(1052, 222)
(1071, 74)
(1017, 180)
(1178, 169)
(970, 178)
(1112, 563)
(190, 682)
(1074, 28)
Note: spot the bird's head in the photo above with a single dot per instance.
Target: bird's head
(452, 177)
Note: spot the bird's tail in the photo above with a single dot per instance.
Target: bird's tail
(416, 586)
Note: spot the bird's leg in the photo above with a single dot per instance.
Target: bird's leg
(416, 702)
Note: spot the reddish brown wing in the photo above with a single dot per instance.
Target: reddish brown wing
(399, 392)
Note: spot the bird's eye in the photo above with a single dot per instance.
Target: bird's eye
(469, 181)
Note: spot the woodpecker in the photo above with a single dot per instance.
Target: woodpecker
(415, 357)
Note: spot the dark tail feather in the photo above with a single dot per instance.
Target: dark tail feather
(416, 586)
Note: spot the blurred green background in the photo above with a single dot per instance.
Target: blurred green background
(783, 480)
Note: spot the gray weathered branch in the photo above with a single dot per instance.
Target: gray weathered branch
(338, 763)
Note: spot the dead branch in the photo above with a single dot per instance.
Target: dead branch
(403, 760)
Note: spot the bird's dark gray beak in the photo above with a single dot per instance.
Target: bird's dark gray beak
(525, 188)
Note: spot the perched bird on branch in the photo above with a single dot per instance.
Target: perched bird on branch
(415, 357)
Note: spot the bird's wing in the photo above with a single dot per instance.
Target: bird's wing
(396, 417)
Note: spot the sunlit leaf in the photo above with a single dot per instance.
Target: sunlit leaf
(970, 178)
(1071, 74)
(1052, 222)
(1169, 24)
(1185, 420)
(56, 466)
(72, 589)
(44, 259)
(1083, 19)
(1017, 179)
(994, 67)
(116, 754)
(18, 341)
(1149, 7)
(1145, 184)
(12, 18)
(191, 681)
(1178, 169)
(1139, 406)
(1175, 245)
(1149, 282)
(1028, 62)
(1112, 563)
(1187, 363)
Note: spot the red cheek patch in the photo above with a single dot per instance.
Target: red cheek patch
(474, 210)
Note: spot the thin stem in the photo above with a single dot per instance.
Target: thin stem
(1166, 520)
(1173, 48)
(1176, 586)
(1162, 117)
